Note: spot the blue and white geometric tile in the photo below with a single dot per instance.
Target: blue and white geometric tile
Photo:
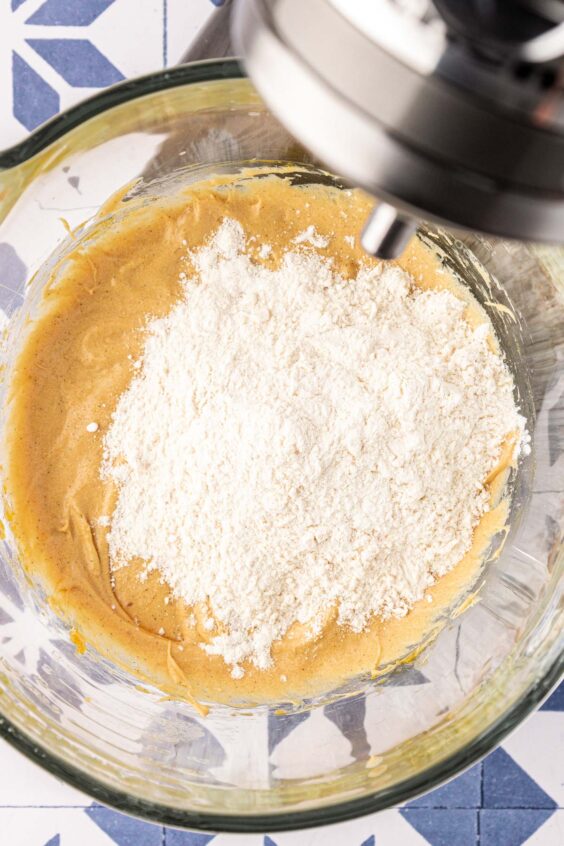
(124, 831)
(54, 53)
(458, 794)
(507, 785)
(188, 838)
(555, 702)
(444, 826)
(69, 827)
(551, 832)
(536, 749)
(513, 827)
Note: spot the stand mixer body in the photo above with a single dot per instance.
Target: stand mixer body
(447, 111)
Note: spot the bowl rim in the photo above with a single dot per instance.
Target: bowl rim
(325, 814)
(115, 95)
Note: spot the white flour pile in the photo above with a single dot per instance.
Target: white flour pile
(293, 441)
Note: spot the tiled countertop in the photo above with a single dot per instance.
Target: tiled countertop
(52, 54)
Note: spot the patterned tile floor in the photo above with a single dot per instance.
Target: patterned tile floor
(52, 54)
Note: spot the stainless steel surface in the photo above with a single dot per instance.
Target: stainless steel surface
(387, 232)
(409, 101)
(214, 40)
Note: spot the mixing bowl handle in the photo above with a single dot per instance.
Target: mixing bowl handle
(213, 42)
(115, 95)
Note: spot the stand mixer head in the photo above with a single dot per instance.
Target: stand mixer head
(451, 111)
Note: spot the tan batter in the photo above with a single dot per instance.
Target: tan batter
(75, 363)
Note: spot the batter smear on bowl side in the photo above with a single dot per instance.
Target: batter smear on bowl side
(267, 461)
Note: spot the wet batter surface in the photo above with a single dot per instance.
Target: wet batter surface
(78, 358)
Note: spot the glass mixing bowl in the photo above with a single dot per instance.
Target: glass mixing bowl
(376, 742)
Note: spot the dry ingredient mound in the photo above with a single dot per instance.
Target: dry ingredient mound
(294, 442)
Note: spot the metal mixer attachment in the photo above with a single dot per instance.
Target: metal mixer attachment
(450, 111)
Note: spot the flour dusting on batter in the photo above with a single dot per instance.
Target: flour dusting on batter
(294, 441)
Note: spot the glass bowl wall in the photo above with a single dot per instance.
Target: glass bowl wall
(338, 756)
